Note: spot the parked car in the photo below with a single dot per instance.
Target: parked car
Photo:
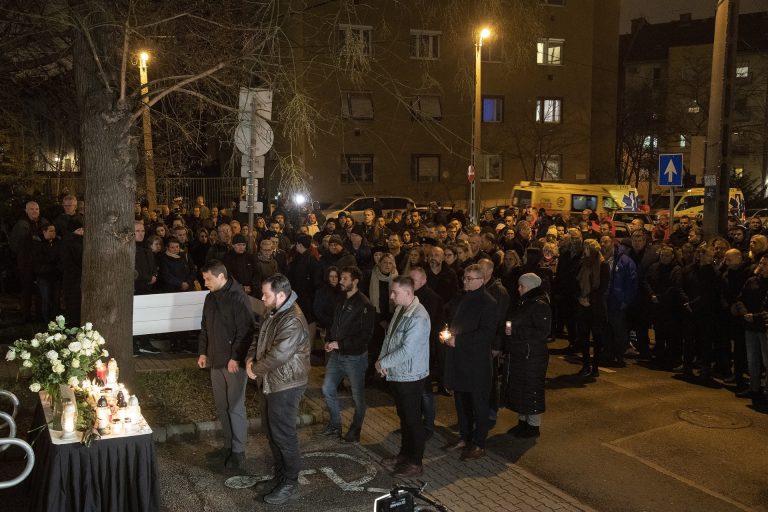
(622, 218)
(382, 205)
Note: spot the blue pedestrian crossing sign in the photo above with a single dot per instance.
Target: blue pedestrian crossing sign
(671, 170)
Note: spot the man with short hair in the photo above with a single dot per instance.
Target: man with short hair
(351, 332)
(404, 362)
(468, 362)
(395, 245)
(23, 235)
(498, 291)
(222, 246)
(63, 222)
(278, 361)
(441, 278)
(225, 334)
(241, 266)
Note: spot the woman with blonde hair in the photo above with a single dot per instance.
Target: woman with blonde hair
(593, 278)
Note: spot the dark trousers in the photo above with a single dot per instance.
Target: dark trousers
(49, 297)
(26, 284)
(730, 347)
(229, 398)
(472, 410)
(639, 320)
(591, 320)
(428, 406)
(278, 418)
(668, 347)
(698, 339)
(616, 336)
(408, 399)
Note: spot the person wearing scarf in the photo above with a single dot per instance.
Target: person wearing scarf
(378, 293)
(593, 279)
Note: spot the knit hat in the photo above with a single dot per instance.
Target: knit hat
(304, 240)
(335, 240)
(238, 239)
(358, 230)
(530, 281)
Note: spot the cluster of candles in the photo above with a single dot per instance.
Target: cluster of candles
(117, 412)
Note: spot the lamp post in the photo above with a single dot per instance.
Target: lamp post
(149, 163)
(477, 118)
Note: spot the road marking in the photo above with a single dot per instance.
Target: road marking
(677, 477)
(358, 485)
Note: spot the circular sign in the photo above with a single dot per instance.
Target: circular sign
(260, 143)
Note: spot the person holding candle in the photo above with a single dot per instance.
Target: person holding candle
(525, 345)
(226, 331)
(279, 361)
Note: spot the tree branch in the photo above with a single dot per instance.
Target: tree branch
(124, 63)
(207, 99)
(158, 97)
(95, 54)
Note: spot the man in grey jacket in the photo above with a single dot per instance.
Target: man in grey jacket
(279, 361)
(404, 362)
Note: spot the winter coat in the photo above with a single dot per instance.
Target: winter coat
(701, 288)
(144, 269)
(281, 351)
(324, 305)
(623, 281)
(445, 283)
(305, 275)
(665, 282)
(405, 351)
(751, 300)
(174, 272)
(24, 233)
(227, 327)
(353, 321)
(526, 353)
(46, 258)
(243, 269)
(474, 324)
(72, 272)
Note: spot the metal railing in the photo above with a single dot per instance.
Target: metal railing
(216, 191)
(9, 421)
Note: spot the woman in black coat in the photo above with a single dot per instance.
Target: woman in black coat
(525, 347)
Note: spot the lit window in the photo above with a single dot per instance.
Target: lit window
(425, 168)
(738, 172)
(357, 168)
(742, 70)
(549, 52)
(425, 44)
(427, 106)
(493, 109)
(550, 169)
(356, 39)
(356, 105)
(650, 142)
(492, 168)
(549, 110)
(683, 140)
(694, 107)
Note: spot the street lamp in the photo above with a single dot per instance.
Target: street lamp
(149, 163)
(484, 33)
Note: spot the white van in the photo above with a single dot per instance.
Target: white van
(356, 206)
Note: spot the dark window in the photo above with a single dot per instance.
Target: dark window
(357, 169)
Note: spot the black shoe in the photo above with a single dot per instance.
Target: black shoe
(269, 485)
(528, 432)
(595, 372)
(218, 456)
(585, 371)
(331, 431)
(520, 426)
(235, 460)
(352, 435)
(282, 493)
(442, 391)
(747, 393)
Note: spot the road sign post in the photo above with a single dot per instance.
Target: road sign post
(671, 175)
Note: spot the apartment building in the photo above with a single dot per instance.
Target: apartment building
(399, 115)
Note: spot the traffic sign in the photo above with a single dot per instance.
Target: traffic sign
(471, 173)
(671, 170)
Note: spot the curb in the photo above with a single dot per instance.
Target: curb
(185, 431)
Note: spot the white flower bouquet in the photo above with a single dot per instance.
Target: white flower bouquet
(59, 356)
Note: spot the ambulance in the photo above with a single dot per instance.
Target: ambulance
(556, 197)
(691, 203)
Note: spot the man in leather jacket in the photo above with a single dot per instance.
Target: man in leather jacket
(279, 361)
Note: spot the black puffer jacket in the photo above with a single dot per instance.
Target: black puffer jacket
(227, 328)
(526, 353)
(281, 352)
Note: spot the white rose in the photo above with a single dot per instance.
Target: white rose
(75, 346)
(80, 336)
(75, 363)
(52, 355)
(88, 326)
(95, 335)
(35, 387)
(87, 343)
(104, 353)
(60, 319)
(58, 368)
(49, 339)
(58, 336)
(11, 355)
(25, 355)
(27, 364)
(88, 353)
(34, 343)
(73, 381)
(102, 341)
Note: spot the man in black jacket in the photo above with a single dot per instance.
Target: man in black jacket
(145, 267)
(225, 335)
(352, 330)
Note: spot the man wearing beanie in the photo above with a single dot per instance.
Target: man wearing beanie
(241, 265)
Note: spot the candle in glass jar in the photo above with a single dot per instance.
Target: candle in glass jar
(112, 372)
(101, 373)
(117, 427)
(68, 416)
(445, 333)
(508, 325)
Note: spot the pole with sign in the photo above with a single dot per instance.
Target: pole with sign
(671, 175)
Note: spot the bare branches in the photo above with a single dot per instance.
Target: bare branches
(207, 99)
(94, 53)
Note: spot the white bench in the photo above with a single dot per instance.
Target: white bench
(167, 312)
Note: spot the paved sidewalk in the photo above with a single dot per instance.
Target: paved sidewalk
(490, 483)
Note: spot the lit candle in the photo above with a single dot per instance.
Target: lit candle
(134, 410)
(102, 415)
(445, 334)
(117, 427)
(101, 373)
(68, 417)
(508, 325)
(112, 372)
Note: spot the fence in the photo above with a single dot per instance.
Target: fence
(216, 191)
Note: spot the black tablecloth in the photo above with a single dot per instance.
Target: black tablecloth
(112, 475)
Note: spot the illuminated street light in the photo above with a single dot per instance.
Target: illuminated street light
(149, 162)
(484, 33)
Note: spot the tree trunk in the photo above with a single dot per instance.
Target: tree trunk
(108, 160)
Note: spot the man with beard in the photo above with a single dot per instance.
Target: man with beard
(350, 334)
(225, 333)
(394, 244)
(441, 278)
(278, 361)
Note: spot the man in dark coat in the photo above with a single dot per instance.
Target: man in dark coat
(72, 272)
(24, 233)
(305, 275)
(468, 362)
(241, 266)
(501, 296)
(145, 266)
(440, 277)
(525, 347)
(63, 222)
(225, 335)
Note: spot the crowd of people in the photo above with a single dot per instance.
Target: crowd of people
(494, 293)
